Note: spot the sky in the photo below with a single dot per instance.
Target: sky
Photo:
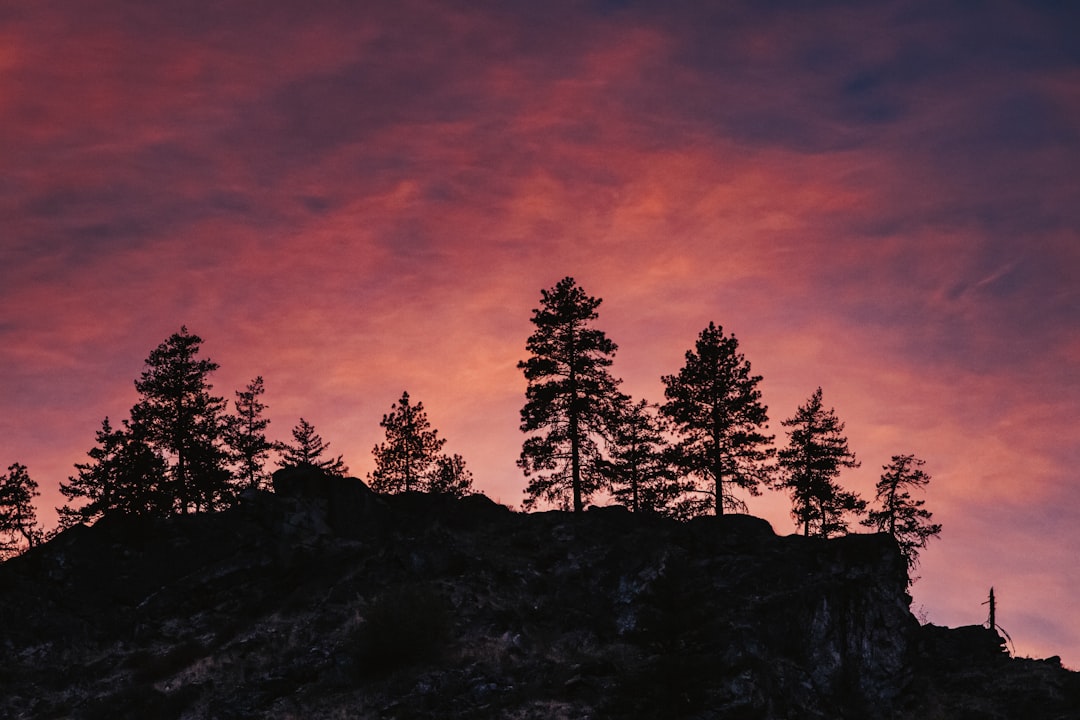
(356, 199)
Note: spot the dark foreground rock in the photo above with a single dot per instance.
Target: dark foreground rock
(325, 600)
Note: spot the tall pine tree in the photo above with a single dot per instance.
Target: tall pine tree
(406, 460)
(246, 435)
(570, 398)
(638, 466)
(810, 465)
(19, 528)
(899, 514)
(179, 416)
(715, 407)
(125, 475)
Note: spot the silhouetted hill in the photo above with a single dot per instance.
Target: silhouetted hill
(325, 600)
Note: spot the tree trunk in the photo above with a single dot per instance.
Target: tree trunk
(892, 510)
(182, 485)
(718, 474)
(574, 421)
(409, 434)
(575, 452)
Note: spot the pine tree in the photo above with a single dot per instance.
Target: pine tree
(184, 422)
(638, 465)
(716, 409)
(126, 475)
(246, 435)
(450, 476)
(406, 460)
(570, 398)
(19, 528)
(898, 513)
(810, 465)
(307, 449)
(94, 484)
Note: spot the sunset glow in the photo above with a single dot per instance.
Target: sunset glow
(356, 199)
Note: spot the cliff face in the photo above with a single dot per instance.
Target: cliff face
(326, 600)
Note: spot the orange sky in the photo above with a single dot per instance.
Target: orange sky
(355, 202)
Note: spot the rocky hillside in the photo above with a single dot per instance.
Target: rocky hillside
(325, 600)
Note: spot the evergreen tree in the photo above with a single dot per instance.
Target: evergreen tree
(213, 485)
(570, 398)
(95, 483)
(407, 459)
(307, 449)
(19, 528)
(246, 435)
(182, 420)
(638, 465)
(716, 409)
(126, 475)
(810, 465)
(450, 476)
(898, 513)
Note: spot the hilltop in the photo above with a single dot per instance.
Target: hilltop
(325, 599)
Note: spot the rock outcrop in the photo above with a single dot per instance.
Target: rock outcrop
(324, 599)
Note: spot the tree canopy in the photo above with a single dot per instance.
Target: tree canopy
(246, 435)
(570, 398)
(307, 449)
(180, 451)
(715, 408)
(170, 456)
(406, 460)
(125, 474)
(18, 519)
(638, 466)
(450, 476)
(810, 465)
(899, 514)
(410, 458)
(178, 416)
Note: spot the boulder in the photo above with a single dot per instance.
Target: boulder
(345, 504)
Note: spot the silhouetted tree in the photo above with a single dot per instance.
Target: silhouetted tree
(810, 465)
(307, 449)
(246, 435)
(19, 528)
(126, 475)
(570, 398)
(900, 515)
(406, 460)
(181, 419)
(450, 476)
(638, 466)
(715, 407)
